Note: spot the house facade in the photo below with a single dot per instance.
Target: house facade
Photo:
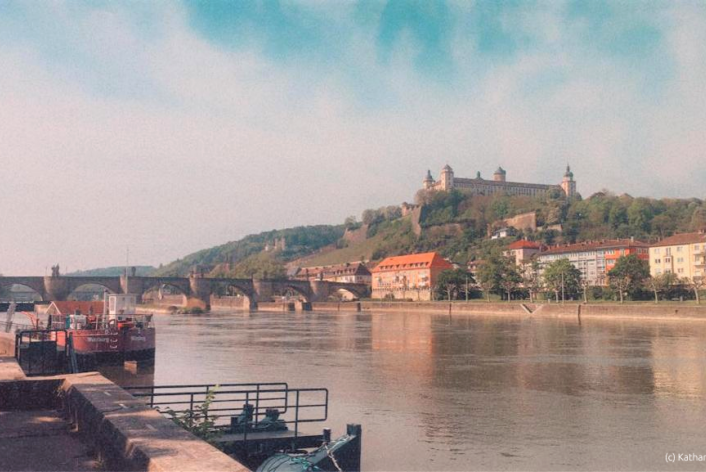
(522, 251)
(350, 272)
(413, 276)
(594, 259)
(681, 254)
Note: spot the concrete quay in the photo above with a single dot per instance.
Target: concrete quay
(86, 422)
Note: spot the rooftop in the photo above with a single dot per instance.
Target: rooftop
(684, 238)
(593, 245)
(421, 260)
(524, 244)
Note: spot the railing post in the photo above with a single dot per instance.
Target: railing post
(257, 401)
(247, 420)
(296, 417)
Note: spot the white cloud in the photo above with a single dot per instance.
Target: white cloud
(152, 136)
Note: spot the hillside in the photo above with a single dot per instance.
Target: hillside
(455, 224)
(283, 245)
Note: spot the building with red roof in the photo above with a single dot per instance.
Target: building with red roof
(412, 276)
(595, 258)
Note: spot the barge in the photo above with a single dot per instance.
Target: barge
(107, 332)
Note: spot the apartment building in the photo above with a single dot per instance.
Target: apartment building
(681, 254)
(594, 258)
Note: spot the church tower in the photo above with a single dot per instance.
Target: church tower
(428, 182)
(499, 175)
(568, 184)
(447, 178)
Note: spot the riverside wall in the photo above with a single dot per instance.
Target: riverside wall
(123, 432)
(465, 308)
(663, 311)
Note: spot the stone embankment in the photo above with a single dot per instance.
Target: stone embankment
(664, 311)
(81, 421)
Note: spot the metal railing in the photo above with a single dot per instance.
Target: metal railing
(43, 352)
(295, 406)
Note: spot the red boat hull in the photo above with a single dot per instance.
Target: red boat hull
(126, 344)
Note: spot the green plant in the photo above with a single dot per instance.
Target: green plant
(198, 421)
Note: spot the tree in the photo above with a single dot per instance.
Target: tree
(661, 283)
(585, 285)
(351, 223)
(497, 274)
(562, 276)
(510, 278)
(451, 283)
(628, 275)
(696, 283)
(532, 280)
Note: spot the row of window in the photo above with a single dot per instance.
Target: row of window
(668, 250)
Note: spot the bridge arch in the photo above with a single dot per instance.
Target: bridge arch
(344, 293)
(6, 286)
(159, 286)
(285, 288)
(75, 289)
(225, 292)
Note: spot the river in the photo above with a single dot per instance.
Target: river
(467, 393)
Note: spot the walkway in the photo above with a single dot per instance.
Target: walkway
(40, 440)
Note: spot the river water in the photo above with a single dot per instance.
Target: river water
(435, 392)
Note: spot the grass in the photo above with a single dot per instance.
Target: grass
(346, 254)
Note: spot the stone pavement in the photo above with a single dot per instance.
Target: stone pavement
(40, 440)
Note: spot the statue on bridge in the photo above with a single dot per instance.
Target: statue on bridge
(55, 271)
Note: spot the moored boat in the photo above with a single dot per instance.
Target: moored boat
(107, 332)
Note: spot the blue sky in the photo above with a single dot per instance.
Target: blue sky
(185, 125)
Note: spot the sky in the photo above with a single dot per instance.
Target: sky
(167, 127)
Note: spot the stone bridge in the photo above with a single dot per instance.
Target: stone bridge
(194, 287)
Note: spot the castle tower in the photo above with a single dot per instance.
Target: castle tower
(447, 178)
(499, 175)
(428, 182)
(568, 184)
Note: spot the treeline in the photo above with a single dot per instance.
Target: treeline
(457, 224)
(560, 281)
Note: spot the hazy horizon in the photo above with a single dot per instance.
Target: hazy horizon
(170, 127)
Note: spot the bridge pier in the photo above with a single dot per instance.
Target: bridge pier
(134, 285)
(264, 289)
(321, 290)
(200, 291)
(56, 288)
(300, 306)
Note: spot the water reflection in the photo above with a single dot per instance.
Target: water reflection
(435, 392)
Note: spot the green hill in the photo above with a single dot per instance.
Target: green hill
(455, 224)
(279, 246)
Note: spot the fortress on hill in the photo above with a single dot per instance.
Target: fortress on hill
(481, 186)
